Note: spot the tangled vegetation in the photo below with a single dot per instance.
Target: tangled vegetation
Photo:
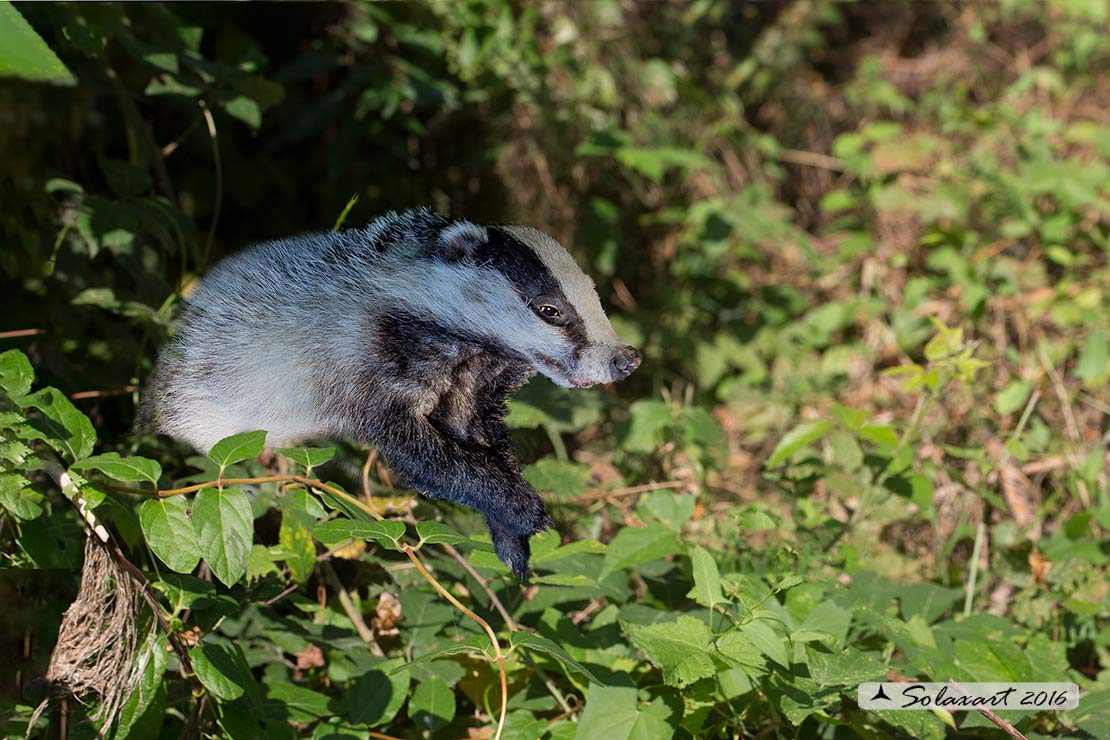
(863, 247)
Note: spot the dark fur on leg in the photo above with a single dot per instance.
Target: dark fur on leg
(482, 476)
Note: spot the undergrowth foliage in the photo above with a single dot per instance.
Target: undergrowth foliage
(863, 247)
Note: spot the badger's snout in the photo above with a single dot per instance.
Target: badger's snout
(625, 361)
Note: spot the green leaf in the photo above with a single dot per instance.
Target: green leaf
(615, 713)
(520, 638)
(303, 705)
(308, 457)
(217, 666)
(827, 622)
(225, 530)
(679, 648)
(169, 532)
(377, 695)
(17, 497)
(153, 654)
(798, 438)
(927, 600)
(559, 477)
(246, 110)
(1012, 397)
(635, 545)
(1093, 365)
(259, 563)
(670, 508)
(237, 448)
(435, 532)
(66, 428)
(707, 579)
(386, 532)
(648, 421)
(848, 669)
(766, 640)
(472, 644)
(16, 374)
(432, 705)
(296, 547)
(122, 468)
(24, 54)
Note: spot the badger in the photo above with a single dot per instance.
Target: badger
(408, 334)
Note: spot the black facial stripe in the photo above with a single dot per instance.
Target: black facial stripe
(519, 264)
(530, 277)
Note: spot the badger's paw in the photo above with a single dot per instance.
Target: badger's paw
(513, 550)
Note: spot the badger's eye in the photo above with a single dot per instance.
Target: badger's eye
(548, 311)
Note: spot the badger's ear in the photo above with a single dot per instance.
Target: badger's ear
(460, 240)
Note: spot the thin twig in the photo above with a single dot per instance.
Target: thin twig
(498, 656)
(20, 333)
(102, 394)
(810, 159)
(1002, 724)
(351, 610)
(629, 491)
(511, 623)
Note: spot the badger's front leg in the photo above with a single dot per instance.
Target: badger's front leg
(481, 474)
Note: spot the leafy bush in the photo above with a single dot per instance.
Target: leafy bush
(863, 247)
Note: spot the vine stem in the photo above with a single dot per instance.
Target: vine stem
(409, 550)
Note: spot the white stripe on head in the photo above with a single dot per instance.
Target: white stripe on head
(575, 284)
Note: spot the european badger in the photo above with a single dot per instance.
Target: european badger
(408, 334)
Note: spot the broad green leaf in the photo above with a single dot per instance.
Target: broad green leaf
(850, 418)
(435, 532)
(1093, 365)
(122, 468)
(377, 695)
(432, 705)
(798, 438)
(635, 545)
(64, 427)
(297, 548)
(707, 579)
(520, 638)
(827, 622)
(259, 562)
(24, 54)
(1013, 397)
(237, 448)
(927, 600)
(848, 668)
(649, 420)
(472, 644)
(169, 532)
(672, 509)
(386, 532)
(17, 497)
(766, 640)
(225, 531)
(152, 655)
(16, 374)
(308, 457)
(615, 713)
(303, 705)
(246, 110)
(558, 477)
(216, 665)
(680, 649)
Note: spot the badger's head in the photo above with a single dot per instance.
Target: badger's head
(523, 293)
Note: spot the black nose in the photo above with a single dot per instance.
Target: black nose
(625, 361)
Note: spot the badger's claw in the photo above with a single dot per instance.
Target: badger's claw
(513, 550)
